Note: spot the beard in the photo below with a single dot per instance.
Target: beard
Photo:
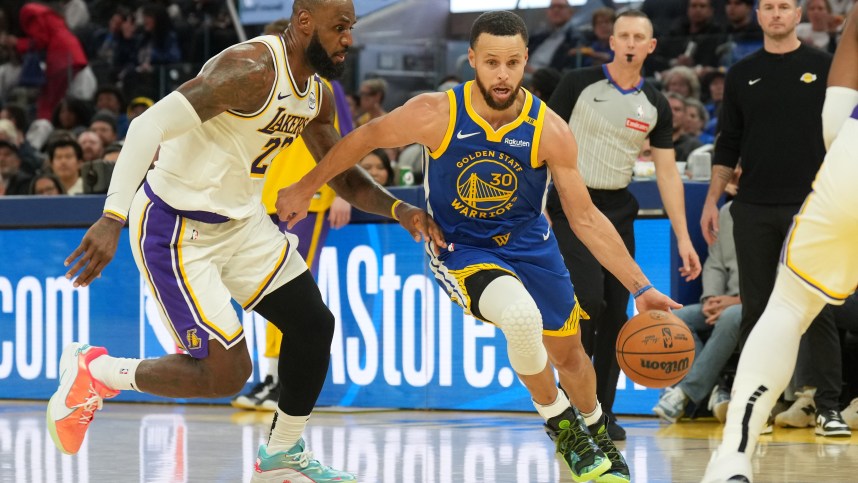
(487, 96)
(320, 60)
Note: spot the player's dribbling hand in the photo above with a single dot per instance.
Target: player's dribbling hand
(95, 251)
(652, 299)
(292, 205)
(420, 225)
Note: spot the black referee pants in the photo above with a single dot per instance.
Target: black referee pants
(759, 232)
(600, 294)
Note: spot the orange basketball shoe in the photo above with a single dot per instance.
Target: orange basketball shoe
(73, 406)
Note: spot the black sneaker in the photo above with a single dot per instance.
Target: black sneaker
(615, 431)
(829, 422)
(260, 396)
(619, 472)
(573, 441)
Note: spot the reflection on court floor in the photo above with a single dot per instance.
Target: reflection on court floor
(190, 443)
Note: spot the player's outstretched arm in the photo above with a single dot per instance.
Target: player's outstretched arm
(240, 78)
(337, 162)
(559, 149)
(673, 197)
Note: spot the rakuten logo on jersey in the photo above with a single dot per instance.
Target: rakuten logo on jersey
(517, 143)
(637, 125)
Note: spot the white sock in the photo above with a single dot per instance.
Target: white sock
(548, 411)
(594, 416)
(286, 431)
(117, 373)
(272, 368)
(767, 361)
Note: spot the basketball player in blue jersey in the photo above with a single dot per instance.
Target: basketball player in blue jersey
(493, 149)
(201, 237)
(819, 265)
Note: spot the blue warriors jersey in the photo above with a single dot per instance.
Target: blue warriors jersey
(486, 190)
(486, 176)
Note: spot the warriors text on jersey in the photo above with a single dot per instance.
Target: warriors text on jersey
(482, 184)
(219, 166)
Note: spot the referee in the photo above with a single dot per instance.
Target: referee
(771, 118)
(611, 111)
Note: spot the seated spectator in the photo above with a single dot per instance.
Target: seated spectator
(138, 106)
(596, 49)
(158, 45)
(714, 82)
(694, 37)
(744, 34)
(111, 153)
(696, 118)
(16, 181)
(65, 159)
(377, 164)
(371, 98)
(543, 82)
(716, 317)
(91, 145)
(821, 27)
(109, 98)
(551, 46)
(72, 115)
(683, 142)
(104, 124)
(683, 81)
(46, 184)
(13, 124)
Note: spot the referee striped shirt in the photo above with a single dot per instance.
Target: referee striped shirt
(610, 124)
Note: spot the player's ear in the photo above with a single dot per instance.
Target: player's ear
(472, 58)
(304, 22)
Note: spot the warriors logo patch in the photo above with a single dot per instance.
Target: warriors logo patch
(485, 188)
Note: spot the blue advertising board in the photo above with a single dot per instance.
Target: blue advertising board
(399, 342)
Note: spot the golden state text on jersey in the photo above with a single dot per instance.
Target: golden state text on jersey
(219, 167)
(484, 185)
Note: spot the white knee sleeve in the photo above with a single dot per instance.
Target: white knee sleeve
(521, 323)
(507, 304)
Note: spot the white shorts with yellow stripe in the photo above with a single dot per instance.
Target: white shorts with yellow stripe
(197, 262)
(821, 248)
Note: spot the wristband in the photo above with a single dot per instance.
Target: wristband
(114, 216)
(642, 290)
(393, 209)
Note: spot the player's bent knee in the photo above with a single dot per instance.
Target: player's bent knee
(226, 371)
(521, 323)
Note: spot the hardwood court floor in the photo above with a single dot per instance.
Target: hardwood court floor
(192, 443)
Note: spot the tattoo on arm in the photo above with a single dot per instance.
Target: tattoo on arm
(723, 173)
(240, 79)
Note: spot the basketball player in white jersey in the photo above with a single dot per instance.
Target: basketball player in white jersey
(201, 237)
(819, 265)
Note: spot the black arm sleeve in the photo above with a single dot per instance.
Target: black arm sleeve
(565, 96)
(728, 142)
(661, 136)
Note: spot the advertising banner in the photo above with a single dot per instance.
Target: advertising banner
(399, 341)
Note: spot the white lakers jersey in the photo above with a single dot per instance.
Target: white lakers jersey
(219, 166)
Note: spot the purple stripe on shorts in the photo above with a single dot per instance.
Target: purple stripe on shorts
(203, 216)
(161, 231)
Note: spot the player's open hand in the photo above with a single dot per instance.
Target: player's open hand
(691, 266)
(95, 251)
(652, 299)
(420, 225)
(292, 205)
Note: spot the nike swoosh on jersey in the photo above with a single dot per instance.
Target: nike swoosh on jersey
(459, 135)
(752, 82)
(280, 96)
(546, 235)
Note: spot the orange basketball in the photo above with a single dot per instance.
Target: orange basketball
(655, 349)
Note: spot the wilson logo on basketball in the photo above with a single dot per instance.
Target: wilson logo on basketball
(667, 366)
(637, 125)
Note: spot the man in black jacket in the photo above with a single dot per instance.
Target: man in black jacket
(771, 118)
(550, 47)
